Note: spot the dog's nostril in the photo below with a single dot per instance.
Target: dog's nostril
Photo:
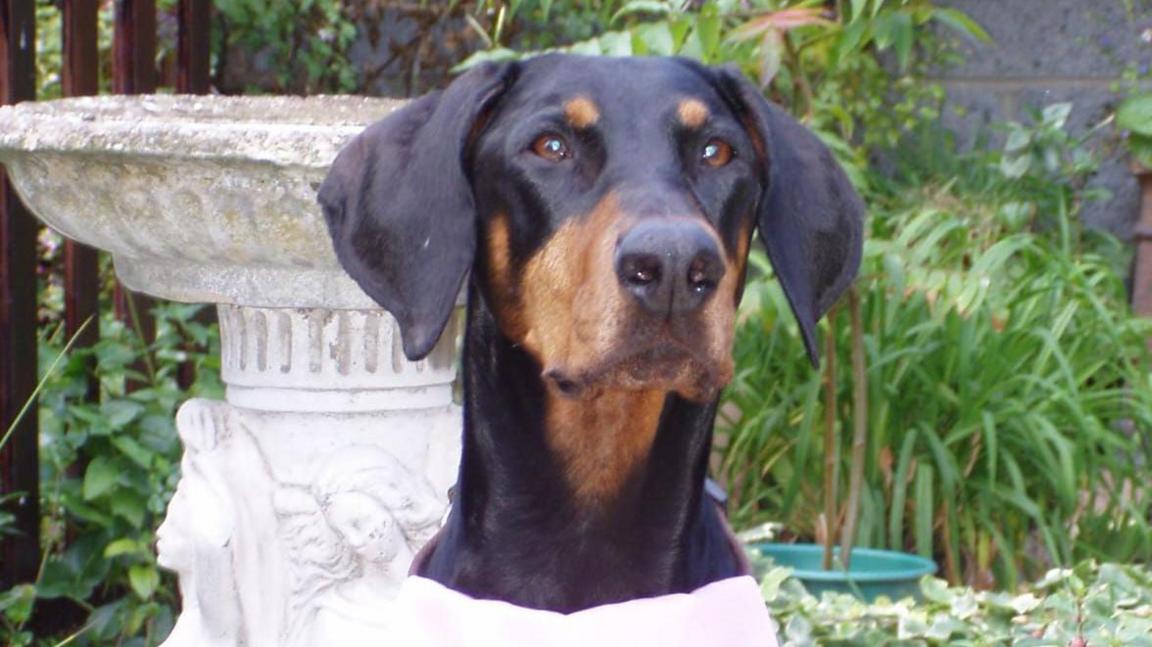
(703, 274)
(698, 279)
(640, 270)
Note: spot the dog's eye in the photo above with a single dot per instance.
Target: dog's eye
(551, 147)
(716, 152)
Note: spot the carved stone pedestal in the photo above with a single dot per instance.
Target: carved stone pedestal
(304, 495)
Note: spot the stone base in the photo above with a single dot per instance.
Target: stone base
(305, 496)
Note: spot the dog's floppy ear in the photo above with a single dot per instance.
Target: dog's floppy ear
(810, 218)
(399, 206)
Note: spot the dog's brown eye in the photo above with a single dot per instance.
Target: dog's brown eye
(551, 147)
(716, 153)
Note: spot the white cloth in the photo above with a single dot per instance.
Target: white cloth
(728, 613)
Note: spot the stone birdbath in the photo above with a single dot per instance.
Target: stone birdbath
(305, 493)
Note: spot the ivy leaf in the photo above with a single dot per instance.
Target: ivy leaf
(1135, 114)
(100, 477)
(1015, 167)
(1141, 146)
(128, 505)
(1056, 115)
(122, 546)
(119, 413)
(136, 452)
(144, 579)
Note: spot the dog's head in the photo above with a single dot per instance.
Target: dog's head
(605, 205)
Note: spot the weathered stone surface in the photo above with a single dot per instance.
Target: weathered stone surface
(1056, 38)
(202, 199)
(1051, 51)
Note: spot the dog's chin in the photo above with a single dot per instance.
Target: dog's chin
(667, 366)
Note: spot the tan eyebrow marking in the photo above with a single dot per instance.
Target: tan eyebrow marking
(581, 112)
(693, 113)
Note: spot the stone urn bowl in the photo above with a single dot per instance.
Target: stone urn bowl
(306, 492)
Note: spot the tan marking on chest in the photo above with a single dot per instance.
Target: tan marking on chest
(602, 440)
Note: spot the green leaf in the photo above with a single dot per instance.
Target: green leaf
(653, 7)
(136, 452)
(616, 43)
(902, 36)
(708, 26)
(589, 47)
(128, 505)
(770, 584)
(1018, 140)
(961, 22)
(653, 39)
(771, 51)
(486, 56)
(119, 413)
(925, 508)
(144, 579)
(122, 546)
(16, 603)
(1016, 167)
(858, 7)
(1135, 114)
(1056, 115)
(1141, 148)
(100, 477)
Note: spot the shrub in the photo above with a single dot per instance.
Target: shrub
(108, 469)
(1091, 604)
(1009, 412)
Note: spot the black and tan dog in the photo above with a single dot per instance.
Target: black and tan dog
(604, 208)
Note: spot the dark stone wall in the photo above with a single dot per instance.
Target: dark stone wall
(1087, 52)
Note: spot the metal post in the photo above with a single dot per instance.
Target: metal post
(19, 456)
(81, 263)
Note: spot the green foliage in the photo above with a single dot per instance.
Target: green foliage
(306, 42)
(1135, 116)
(108, 469)
(1009, 411)
(1091, 604)
(828, 67)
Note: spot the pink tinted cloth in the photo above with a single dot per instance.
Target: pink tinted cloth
(730, 612)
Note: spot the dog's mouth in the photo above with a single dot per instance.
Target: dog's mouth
(665, 364)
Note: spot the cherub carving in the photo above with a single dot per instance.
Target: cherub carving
(351, 534)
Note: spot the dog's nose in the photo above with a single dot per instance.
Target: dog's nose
(670, 266)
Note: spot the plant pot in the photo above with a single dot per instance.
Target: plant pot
(873, 572)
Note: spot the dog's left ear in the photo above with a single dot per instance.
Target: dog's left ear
(810, 218)
(399, 204)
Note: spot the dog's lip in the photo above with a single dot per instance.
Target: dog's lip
(660, 353)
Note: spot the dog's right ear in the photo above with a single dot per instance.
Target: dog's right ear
(399, 205)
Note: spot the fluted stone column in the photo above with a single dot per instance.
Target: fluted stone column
(306, 492)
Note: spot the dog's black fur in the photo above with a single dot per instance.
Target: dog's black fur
(411, 205)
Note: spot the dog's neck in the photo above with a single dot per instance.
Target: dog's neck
(528, 526)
